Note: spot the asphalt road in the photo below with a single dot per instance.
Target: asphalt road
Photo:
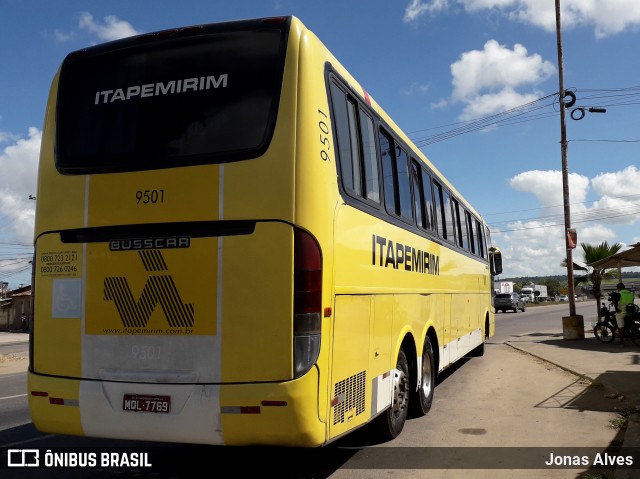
(539, 318)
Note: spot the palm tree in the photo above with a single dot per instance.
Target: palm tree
(594, 276)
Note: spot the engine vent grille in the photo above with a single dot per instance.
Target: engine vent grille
(350, 394)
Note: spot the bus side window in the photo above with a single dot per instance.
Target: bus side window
(428, 200)
(386, 153)
(447, 207)
(397, 184)
(470, 232)
(356, 147)
(404, 183)
(464, 230)
(418, 195)
(439, 209)
(482, 240)
(370, 170)
(460, 225)
(354, 142)
(344, 145)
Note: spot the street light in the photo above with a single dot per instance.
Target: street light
(572, 325)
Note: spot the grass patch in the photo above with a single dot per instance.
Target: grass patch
(623, 417)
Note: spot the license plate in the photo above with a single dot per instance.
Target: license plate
(145, 403)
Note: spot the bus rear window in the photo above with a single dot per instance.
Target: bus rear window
(149, 103)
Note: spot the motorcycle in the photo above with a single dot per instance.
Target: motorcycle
(606, 329)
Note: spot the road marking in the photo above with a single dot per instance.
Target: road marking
(12, 374)
(11, 397)
(27, 441)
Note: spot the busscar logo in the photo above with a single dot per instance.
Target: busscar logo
(159, 289)
(132, 244)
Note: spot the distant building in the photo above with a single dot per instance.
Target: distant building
(13, 306)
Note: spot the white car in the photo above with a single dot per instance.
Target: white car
(563, 298)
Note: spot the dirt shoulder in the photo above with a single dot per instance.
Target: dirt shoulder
(13, 363)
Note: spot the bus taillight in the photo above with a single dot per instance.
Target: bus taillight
(307, 302)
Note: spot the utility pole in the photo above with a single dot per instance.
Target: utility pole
(573, 326)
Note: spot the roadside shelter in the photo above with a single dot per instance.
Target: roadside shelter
(626, 258)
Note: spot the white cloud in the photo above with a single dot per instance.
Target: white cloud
(606, 17)
(618, 183)
(6, 136)
(504, 100)
(62, 37)
(534, 248)
(541, 240)
(112, 28)
(21, 159)
(417, 8)
(596, 234)
(619, 198)
(439, 105)
(547, 187)
(496, 67)
(486, 80)
(416, 89)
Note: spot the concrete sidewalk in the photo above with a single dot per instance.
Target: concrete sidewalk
(614, 367)
(16, 337)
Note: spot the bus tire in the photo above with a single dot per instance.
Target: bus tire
(421, 398)
(389, 424)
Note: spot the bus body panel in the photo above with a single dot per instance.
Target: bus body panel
(57, 332)
(351, 396)
(58, 411)
(137, 315)
(157, 196)
(316, 188)
(371, 256)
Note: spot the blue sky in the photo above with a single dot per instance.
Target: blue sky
(473, 83)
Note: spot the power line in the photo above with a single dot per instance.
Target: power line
(487, 122)
(597, 214)
(530, 112)
(608, 141)
(575, 219)
(557, 206)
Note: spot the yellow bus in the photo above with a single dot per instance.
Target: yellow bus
(235, 245)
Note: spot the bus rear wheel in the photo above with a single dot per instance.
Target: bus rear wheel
(390, 423)
(421, 399)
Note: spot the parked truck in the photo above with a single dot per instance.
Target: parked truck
(536, 293)
(504, 287)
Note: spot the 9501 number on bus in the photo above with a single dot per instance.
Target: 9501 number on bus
(145, 403)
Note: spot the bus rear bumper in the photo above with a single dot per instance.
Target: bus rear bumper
(280, 414)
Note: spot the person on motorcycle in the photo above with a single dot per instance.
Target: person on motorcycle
(626, 297)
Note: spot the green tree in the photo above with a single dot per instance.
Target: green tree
(591, 254)
(554, 286)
